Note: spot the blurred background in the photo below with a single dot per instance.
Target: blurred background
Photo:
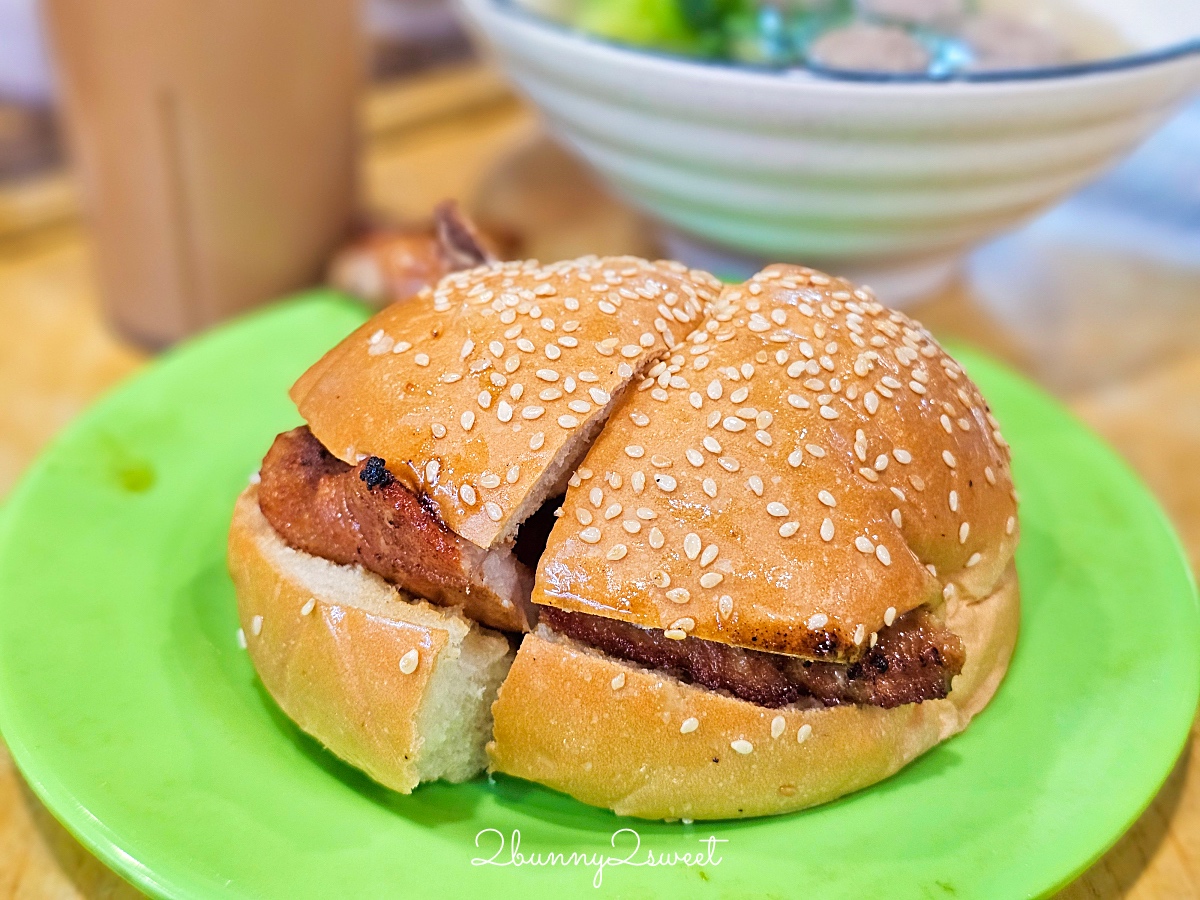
(347, 124)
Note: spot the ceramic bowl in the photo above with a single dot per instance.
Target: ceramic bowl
(888, 181)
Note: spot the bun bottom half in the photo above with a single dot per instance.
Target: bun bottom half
(401, 689)
(609, 733)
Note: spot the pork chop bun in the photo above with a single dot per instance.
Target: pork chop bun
(389, 544)
(755, 541)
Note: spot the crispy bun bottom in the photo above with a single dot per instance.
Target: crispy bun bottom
(561, 720)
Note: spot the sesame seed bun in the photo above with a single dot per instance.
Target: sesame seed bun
(807, 466)
(399, 688)
(484, 392)
(644, 744)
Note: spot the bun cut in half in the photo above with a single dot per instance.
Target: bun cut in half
(807, 505)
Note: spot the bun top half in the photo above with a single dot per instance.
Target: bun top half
(483, 392)
(805, 467)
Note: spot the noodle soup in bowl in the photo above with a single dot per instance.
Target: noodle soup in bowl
(888, 178)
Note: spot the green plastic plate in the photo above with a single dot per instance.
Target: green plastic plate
(134, 715)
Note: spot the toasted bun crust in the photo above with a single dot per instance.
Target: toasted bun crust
(484, 392)
(562, 720)
(327, 641)
(807, 466)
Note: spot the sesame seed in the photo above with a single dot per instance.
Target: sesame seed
(493, 511)
(725, 606)
(730, 423)
(897, 518)
(902, 456)
(817, 620)
(546, 374)
(948, 458)
(827, 530)
(778, 724)
(590, 535)
(691, 545)
(421, 359)
(989, 475)
(666, 483)
(618, 681)
(513, 475)
(1010, 525)
(711, 444)
(438, 429)
(963, 531)
(662, 579)
(804, 733)
(256, 625)
(711, 579)
(656, 538)
(690, 724)
(827, 498)
(409, 661)
(742, 746)
(864, 544)
(536, 441)
(889, 616)
(613, 511)
(695, 457)
(467, 494)
(241, 638)
(308, 606)
(599, 397)
(710, 487)
(635, 451)
(489, 480)
(828, 412)
(777, 509)
(646, 514)
(709, 554)
(974, 560)
(787, 529)
(675, 634)
(860, 632)
(565, 421)
(684, 624)
(882, 554)
(467, 420)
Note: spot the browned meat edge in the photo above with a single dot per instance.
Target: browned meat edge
(914, 660)
(363, 515)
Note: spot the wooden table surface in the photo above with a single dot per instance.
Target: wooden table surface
(461, 135)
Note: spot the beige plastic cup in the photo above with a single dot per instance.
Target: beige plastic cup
(214, 142)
